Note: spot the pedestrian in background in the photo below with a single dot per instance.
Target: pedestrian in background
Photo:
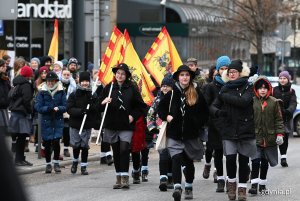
(51, 104)
(287, 95)
(57, 68)
(188, 113)
(269, 133)
(124, 107)
(234, 111)
(77, 108)
(73, 68)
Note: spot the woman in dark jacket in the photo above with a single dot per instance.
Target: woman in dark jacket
(124, 107)
(51, 104)
(77, 108)
(235, 122)
(288, 98)
(188, 113)
(4, 102)
(21, 110)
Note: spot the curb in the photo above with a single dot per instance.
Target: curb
(39, 168)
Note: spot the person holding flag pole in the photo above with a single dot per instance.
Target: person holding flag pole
(125, 105)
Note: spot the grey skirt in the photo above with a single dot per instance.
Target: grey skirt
(244, 147)
(82, 140)
(19, 123)
(193, 148)
(113, 136)
(4, 121)
(268, 153)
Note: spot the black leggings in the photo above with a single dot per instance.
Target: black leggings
(66, 136)
(84, 153)
(105, 146)
(165, 162)
(208, 153)
(243, 167)
(189, 172)
(263, 165)
(136, 158)
(49, 146)
(20, 146)
(121, 156)
(283, 148)
(218, 158)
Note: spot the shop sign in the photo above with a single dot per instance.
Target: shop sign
(21, 42)
(45, 10)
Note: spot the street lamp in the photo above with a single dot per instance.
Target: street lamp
(163, 4)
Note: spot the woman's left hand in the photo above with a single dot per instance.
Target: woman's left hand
(130, 119)
(169, 118)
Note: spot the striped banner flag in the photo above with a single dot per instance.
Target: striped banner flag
(53, 50)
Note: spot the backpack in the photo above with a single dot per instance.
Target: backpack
(13, 93)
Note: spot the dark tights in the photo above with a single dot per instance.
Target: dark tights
(49, 146)
(20, 146)
(136, 158)
(121, 156)
(189, 172)
(243, 167)
(263, 165)
(84, 153)
(283, 148)
(165, 162)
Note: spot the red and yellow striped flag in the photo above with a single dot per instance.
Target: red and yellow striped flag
(111, 57)
(162, 57)
(53, 50)
(137, 69)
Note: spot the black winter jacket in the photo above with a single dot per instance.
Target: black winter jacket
(116, 118)
(23, 102)
(76, 104)
(4, 89)
(187, 127)
(235, 102)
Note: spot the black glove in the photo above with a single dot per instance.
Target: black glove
(221, 113)
(154, 131)
(85, 111)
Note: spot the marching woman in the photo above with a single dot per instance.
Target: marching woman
(51, 104)
(234, 111)
(188, 113)
(125, 105)
(77, 108)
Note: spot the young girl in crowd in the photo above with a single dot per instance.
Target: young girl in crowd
(188, 113)
(234, 111)
(77, 108)
(125, 105)
(51, 104)
(57, 68)
(269, 133)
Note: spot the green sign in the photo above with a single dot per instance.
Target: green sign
(153, 29)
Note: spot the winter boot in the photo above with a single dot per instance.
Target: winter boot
(163, 184)
(125, 181)
(109, 160)
(56, 168)
(231, 190)
(84, 171)
(206, 171)
(74, 167)
(145, 175)
(188, 193)
(215, 176)
(253, 189)
(118, 183)
(242, 194)
(48, 169)
(177, 194)
(103, 160)
(67, 153)
(136, 177)
(262, 189)
(221, 185)
(170, 183)
(283, 162)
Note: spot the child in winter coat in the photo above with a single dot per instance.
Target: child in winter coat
(51, 104)
(269, 133)
(77, 109)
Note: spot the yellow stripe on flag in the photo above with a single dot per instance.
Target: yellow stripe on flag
(53, 49)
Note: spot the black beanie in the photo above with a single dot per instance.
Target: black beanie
(236, 64)
(84, 76)
(168, 80)
(261, 82)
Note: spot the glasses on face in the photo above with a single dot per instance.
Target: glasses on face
(233, 72)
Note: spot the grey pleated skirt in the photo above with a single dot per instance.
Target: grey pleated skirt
(113, 136)
(4, 121)
(82, 140)
(19, 123)
(268, 153)
(244, 147)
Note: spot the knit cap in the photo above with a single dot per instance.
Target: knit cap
(236, 64)
(285, 74)
(168, 80)
(84, 76)
(37, 60)
(222, 61)
(59, 63)
(26, 71)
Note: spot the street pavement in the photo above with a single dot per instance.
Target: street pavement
(283, 183)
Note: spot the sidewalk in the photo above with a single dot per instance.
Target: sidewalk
(39, 164)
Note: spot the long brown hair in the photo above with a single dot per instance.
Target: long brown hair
(191, 95)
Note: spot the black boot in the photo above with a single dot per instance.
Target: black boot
(177, 194)
(56, 168)
(145, 175)
(109, 160)
(253, 189)
(284, 162)
(136, 177)
(74, 167)
(221, 185)
(84, 171)
(48, 169)
(163, 184)
(262, 189)
(103, 160)
(170, 183)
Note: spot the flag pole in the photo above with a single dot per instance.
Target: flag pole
(104, 114)
(83, 121)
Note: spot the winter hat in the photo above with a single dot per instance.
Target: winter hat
(43, 69)
(73, 61)
(45, 59)
(26, 71)
(260, 83)
(222, 61)
(90, 67)
(183, 68)
(51, 76)
(37, 60)
(236, 64)
(192, 60)
(124, 67)
(59, 63)
(65, 62)
(84, 76)
(285, 74)
(168, 80)
(2, 62)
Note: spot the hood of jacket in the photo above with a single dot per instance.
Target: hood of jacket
(267, 82)
(44, 87)
(245, 73)
(20, 80)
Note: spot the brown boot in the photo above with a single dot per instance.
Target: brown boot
(118, 183)
(242, 194)
(125, 181)
(206, 171)
(231, 190)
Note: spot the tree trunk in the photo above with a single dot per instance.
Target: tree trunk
(260, 55)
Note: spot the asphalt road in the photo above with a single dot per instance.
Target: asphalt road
(283, 183)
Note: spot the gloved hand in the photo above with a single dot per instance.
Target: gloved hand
(279, 139)
(85, 111)
(154, 131)
(221, 113)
